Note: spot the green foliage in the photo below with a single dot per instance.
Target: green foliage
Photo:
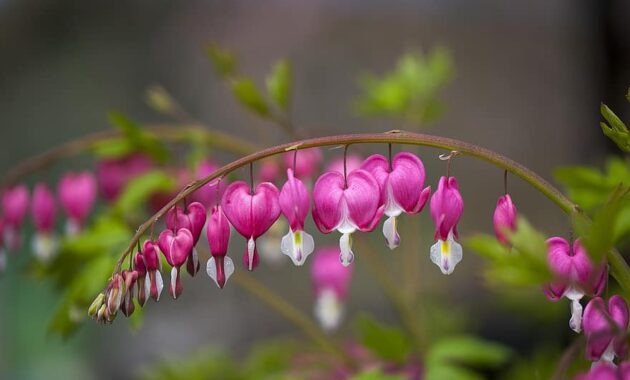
(376, 375)
(160, 100)
(541, 366)
(524, 264)
(134, 139)
(249, 96)
(456, 358)
(389, 343)
(615, 130)
(223, 60)
(279, 83)
(593, 190)
(410, 91)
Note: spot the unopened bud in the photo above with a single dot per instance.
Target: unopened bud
(96, 305)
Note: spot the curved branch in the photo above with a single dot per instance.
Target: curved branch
(174, 133)
(620, 269)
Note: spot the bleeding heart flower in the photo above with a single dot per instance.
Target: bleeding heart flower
(504, 218)
(447, 207)
(14, 205)
(330, 282)
(211, 193)
(251, 214)
(144, 288)
(153, 265)
(77, 193)
(346, 206)
(401, 188)
(605, 327)
(114, 174)
(193, 219)
(219, 267)
(295, 203)
(114, 294)
(607, 371)
(176, 247)
(130, 278)
(306, 163)
(43, 210)
(574, 276)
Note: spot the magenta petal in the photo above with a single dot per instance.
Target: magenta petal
(604, 371)
(407, 181)
(447, 207)
(504, 218)
(218, 232)
(554, 292)
(378, 166)
(596, 328)
(176, 246)
(15, 205)
(294, 201)
(77, 194)
(618, 309)
(43, 208)
(150, 255)
(327, 195)
(251, 215)
(197, 216)
(327, 272)
(363, 200)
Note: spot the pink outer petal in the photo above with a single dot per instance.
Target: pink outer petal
(407, 182)
(554, 292)
(138, 264)
(624, 370)
(218, 232)
(15, 205)
(447, 207)
(176, 247)
(295, 201)
(618, 309)
(150, 255)
(504, 218)
(327, 272)
(251, 215)
(211, 193)
(596, 328)
(176, 219)
(378, 166)
(307, 162)
(43, 208)
(77, 193)
(327, 196)
(197, 217)
(603, 371)
(363, 200)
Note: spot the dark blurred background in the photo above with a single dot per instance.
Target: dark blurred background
(529, 80)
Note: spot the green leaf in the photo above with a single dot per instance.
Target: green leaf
(376, 375)
(140, 139)
(248, 95)
(223, 60)
(449, 372)
(628, 94)
(279, 83)
(113, 148)
(468, 351)
(598, 236)
(615, 130)
(389, 343)
(160, 100)
(138, 190)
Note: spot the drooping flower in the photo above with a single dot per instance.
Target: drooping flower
(295, 202)
(346, 205)
(193, 218)
(211, 193)
(306, 163)
(43, 209)
(575, 276)
(447, 207)
(114, 174)
(330, 282)
(401, 188)
(607, 371)
(251, 214)
(77, 193)
(144, 287)
(114, 294)
(153, 265)
(605, 326)
(130, 278)
(219, 267)
(176, 247)
(14, 205)
(353, 162)
(504, 218)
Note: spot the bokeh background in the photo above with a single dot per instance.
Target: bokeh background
(529, 80)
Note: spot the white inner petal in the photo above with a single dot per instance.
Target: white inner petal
(390, 231)
(211, 269)
(159, 283)
(328, 310)
(345, 225)
(174, 282)
(576, 316)
(298, 246)
(228, 268)
(391, 207)
(195, 258)
(446, 254)
(45, 247)
(251, 246)
(345, 245)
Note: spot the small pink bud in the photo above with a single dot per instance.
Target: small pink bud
(504, 218)
(447, 207)
(77, 193)
(251, 214)
(130, 278)
(141, 270)
(14, 205)
(115, 293)
(219, 266)
(151, 258)
(295, 202)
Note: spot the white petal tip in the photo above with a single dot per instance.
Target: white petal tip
(446, 255)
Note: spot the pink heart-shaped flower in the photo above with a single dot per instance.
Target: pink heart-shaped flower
(295, 201)
(193, 219)
(600, 334)
(176, 246)
(447, 207)
(251, 214)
